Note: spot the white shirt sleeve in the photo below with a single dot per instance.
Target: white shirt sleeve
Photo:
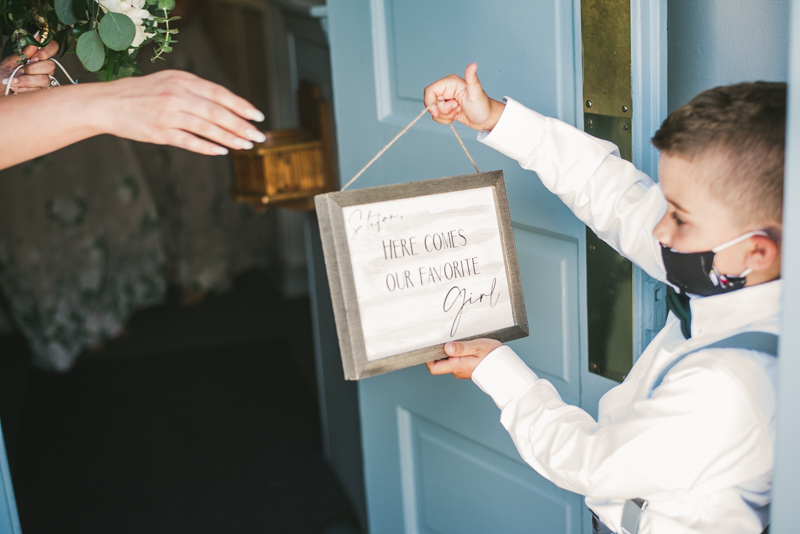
(621, 204)
(698, 428)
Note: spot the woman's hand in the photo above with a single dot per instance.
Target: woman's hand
(463, 100)
(33, 76)
(176, 108)
(464, 357)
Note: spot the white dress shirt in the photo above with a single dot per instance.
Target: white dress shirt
(700, 449)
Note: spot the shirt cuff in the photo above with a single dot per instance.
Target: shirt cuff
(503, 375)
(518, 133)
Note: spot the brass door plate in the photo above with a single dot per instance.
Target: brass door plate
(614, 129)
(606, 35)
(607, 107)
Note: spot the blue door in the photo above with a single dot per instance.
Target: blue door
(436, 458)
(9, 520)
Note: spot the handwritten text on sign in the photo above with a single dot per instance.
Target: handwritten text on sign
(427, 270)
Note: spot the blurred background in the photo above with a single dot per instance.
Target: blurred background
(157, 369)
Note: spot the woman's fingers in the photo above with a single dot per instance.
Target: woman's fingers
(187, 141)
(219, 124)
(218, 94)
(45, 52)
(213, 132)
(30, 81)
(40, 67)
(24, 83)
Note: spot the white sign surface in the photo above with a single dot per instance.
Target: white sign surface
(427, 270)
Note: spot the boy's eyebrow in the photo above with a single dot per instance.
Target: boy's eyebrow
(678, 206)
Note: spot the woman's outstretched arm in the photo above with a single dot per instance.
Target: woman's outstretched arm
(167, 108)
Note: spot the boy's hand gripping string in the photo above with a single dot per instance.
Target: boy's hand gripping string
(398, 136)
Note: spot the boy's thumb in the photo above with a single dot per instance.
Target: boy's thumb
(471, 76)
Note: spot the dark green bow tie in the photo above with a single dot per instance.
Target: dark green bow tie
(678, 303)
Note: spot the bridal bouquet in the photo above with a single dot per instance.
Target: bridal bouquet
(106, 34)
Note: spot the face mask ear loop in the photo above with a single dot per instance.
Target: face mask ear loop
(738, 240)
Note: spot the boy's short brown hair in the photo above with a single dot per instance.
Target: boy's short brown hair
(746, 125)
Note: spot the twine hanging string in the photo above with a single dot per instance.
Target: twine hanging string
(398, 136)
(53, 81)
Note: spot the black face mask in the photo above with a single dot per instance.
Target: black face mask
(694, 272)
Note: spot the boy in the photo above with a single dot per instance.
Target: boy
(685, 443)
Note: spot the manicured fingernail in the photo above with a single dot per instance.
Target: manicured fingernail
(243, 144)
(5, 81)
(256, 136)
(221, 150)
(15, 81)
(33, 60)
(448, 347)
(255, 115)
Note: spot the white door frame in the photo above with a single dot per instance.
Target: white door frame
(787, 461)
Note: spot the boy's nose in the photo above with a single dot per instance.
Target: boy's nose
(661, 231)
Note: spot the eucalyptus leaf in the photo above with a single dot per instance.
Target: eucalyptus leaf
(91, 51)
(65, 12)
(117, 31)
(169, 5)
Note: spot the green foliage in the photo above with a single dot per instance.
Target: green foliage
(117, 31)
(163, 36)
(64, 11)
(102, 39)
(91, 51)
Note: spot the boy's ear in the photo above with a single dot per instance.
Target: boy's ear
(762, 254)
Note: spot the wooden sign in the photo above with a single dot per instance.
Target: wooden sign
(413, 266)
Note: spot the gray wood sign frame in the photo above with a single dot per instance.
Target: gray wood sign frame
(340, 273)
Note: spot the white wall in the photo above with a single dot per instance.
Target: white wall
(718, 42)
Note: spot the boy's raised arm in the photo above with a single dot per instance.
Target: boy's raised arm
(605, 192)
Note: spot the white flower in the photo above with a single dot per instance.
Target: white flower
(134, 10)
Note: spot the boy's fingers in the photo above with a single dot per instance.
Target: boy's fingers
(442, 367)
(476, 347)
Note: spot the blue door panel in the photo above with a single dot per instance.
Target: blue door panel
(449, 483)
(436, 458)
(549, 267)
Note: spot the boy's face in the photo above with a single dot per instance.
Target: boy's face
(695, 221)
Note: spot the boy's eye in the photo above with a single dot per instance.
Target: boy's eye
(677, 219)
